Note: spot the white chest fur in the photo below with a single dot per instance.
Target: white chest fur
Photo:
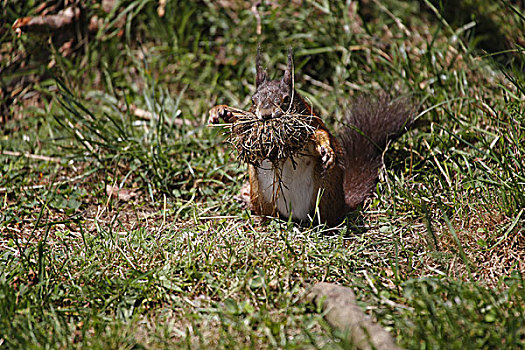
(296, 190)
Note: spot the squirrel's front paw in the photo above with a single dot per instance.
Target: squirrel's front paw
(327, 156)
(219, 112)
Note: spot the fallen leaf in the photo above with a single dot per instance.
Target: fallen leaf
(122, 194)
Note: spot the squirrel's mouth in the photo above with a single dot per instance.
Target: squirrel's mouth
(267, 114)
(259, 136)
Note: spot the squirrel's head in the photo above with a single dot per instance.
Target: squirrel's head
(274, 98)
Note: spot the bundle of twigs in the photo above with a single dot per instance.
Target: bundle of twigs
(274, 139)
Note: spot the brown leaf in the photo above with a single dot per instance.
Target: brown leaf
(51, 22)
(122, 194)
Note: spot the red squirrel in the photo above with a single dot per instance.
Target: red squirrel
(331, 176)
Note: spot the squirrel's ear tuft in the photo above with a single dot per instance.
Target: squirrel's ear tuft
(260, 75)
(288, 74)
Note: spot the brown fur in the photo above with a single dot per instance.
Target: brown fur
(370, 124)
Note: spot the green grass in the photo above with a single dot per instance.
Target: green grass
(119, 227)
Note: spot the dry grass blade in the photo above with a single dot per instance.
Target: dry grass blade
(274, 139)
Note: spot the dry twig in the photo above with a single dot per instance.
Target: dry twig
(274, 139)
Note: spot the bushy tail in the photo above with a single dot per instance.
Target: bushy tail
(370, 123)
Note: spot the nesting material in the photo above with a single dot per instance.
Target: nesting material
(274, 139)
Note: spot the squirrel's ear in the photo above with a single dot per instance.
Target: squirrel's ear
(260, 75)
(288, 74)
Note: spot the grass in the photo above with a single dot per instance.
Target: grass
(119, 227)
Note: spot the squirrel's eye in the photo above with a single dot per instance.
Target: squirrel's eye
(286, 99)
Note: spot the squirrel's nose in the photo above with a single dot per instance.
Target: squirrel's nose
(264, 113)
(267, 113)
